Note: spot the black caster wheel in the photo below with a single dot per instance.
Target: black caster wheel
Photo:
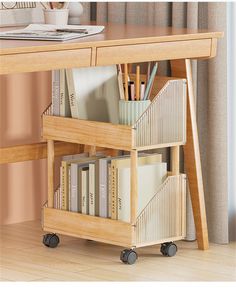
(128, 256)
(168, 249)
(51, 240)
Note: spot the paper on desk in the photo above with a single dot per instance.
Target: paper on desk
(48, 32)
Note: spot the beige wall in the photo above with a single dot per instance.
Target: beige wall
(22, 185)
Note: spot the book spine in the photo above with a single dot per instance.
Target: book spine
(84, 191)
(92, 189)
(72, 94)
(64, 199)
(103, 188)
(113, 192)
(74, 204)
(109, 190)
(56, 92)
(60, 195)
(62, 92)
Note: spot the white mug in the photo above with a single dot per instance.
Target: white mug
(56, 16)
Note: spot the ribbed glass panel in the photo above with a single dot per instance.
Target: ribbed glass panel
(164, 121)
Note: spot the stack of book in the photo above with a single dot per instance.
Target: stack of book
(100, 186)
(86, 93)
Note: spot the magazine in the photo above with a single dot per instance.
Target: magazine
(51, 32)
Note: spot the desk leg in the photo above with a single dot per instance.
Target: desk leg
(50, 172)
(192, 156)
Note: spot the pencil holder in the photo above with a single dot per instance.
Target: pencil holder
(56, 16)
(130, 111)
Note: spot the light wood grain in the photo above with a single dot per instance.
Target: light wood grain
(192, 157)
(42, 61)
(88, 227)
(193, 166)
(175, 160)
(114, 34)
(213, 47)
(25, 258)
(35, 151)
(116, 44)
(87, 132)
(51, 156)
(153, 52)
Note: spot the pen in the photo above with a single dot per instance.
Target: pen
(132, 94)
(137, 83)
(150, 81)
(76, 31)
(126, 81)
(148, 72)
(142, 90)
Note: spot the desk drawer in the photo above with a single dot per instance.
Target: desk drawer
(153, 51)
(30, 62)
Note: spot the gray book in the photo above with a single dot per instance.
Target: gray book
(84, 189)
(74, 189)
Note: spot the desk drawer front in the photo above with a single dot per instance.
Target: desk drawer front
(30, 62)
(153, 51)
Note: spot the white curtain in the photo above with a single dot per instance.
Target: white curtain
(231, 38)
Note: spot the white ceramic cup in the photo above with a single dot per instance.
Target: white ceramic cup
(56, 16)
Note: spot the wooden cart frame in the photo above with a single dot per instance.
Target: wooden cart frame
(119, 44)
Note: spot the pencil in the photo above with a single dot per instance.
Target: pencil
(150, 81)
(148, 72)
(137, 83)
(126, 82)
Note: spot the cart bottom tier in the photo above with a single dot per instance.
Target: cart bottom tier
(162, 220)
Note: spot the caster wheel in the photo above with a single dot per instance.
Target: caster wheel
(168, 249)
(51, 240)
(128, 256)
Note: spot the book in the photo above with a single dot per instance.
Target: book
(65, 183)
(56, 92)
(125, 162)
(64, 97)
(92, 189)
(84, 175)
(72, 94)
(51, 32)
(120, 84)
(150, 177)
(74, 187)
(94, 93)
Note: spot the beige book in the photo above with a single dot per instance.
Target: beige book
(150, 177)
(94, 93)
(84, 190)
(64, 96)
(122, 163)
(72, 95)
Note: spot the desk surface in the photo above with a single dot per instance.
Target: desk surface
(113, 35)
(118, 44)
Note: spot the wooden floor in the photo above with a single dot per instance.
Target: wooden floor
(25, 258)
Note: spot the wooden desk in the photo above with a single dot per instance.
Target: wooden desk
(120, 44)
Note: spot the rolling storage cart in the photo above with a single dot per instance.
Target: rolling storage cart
(162, 221)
